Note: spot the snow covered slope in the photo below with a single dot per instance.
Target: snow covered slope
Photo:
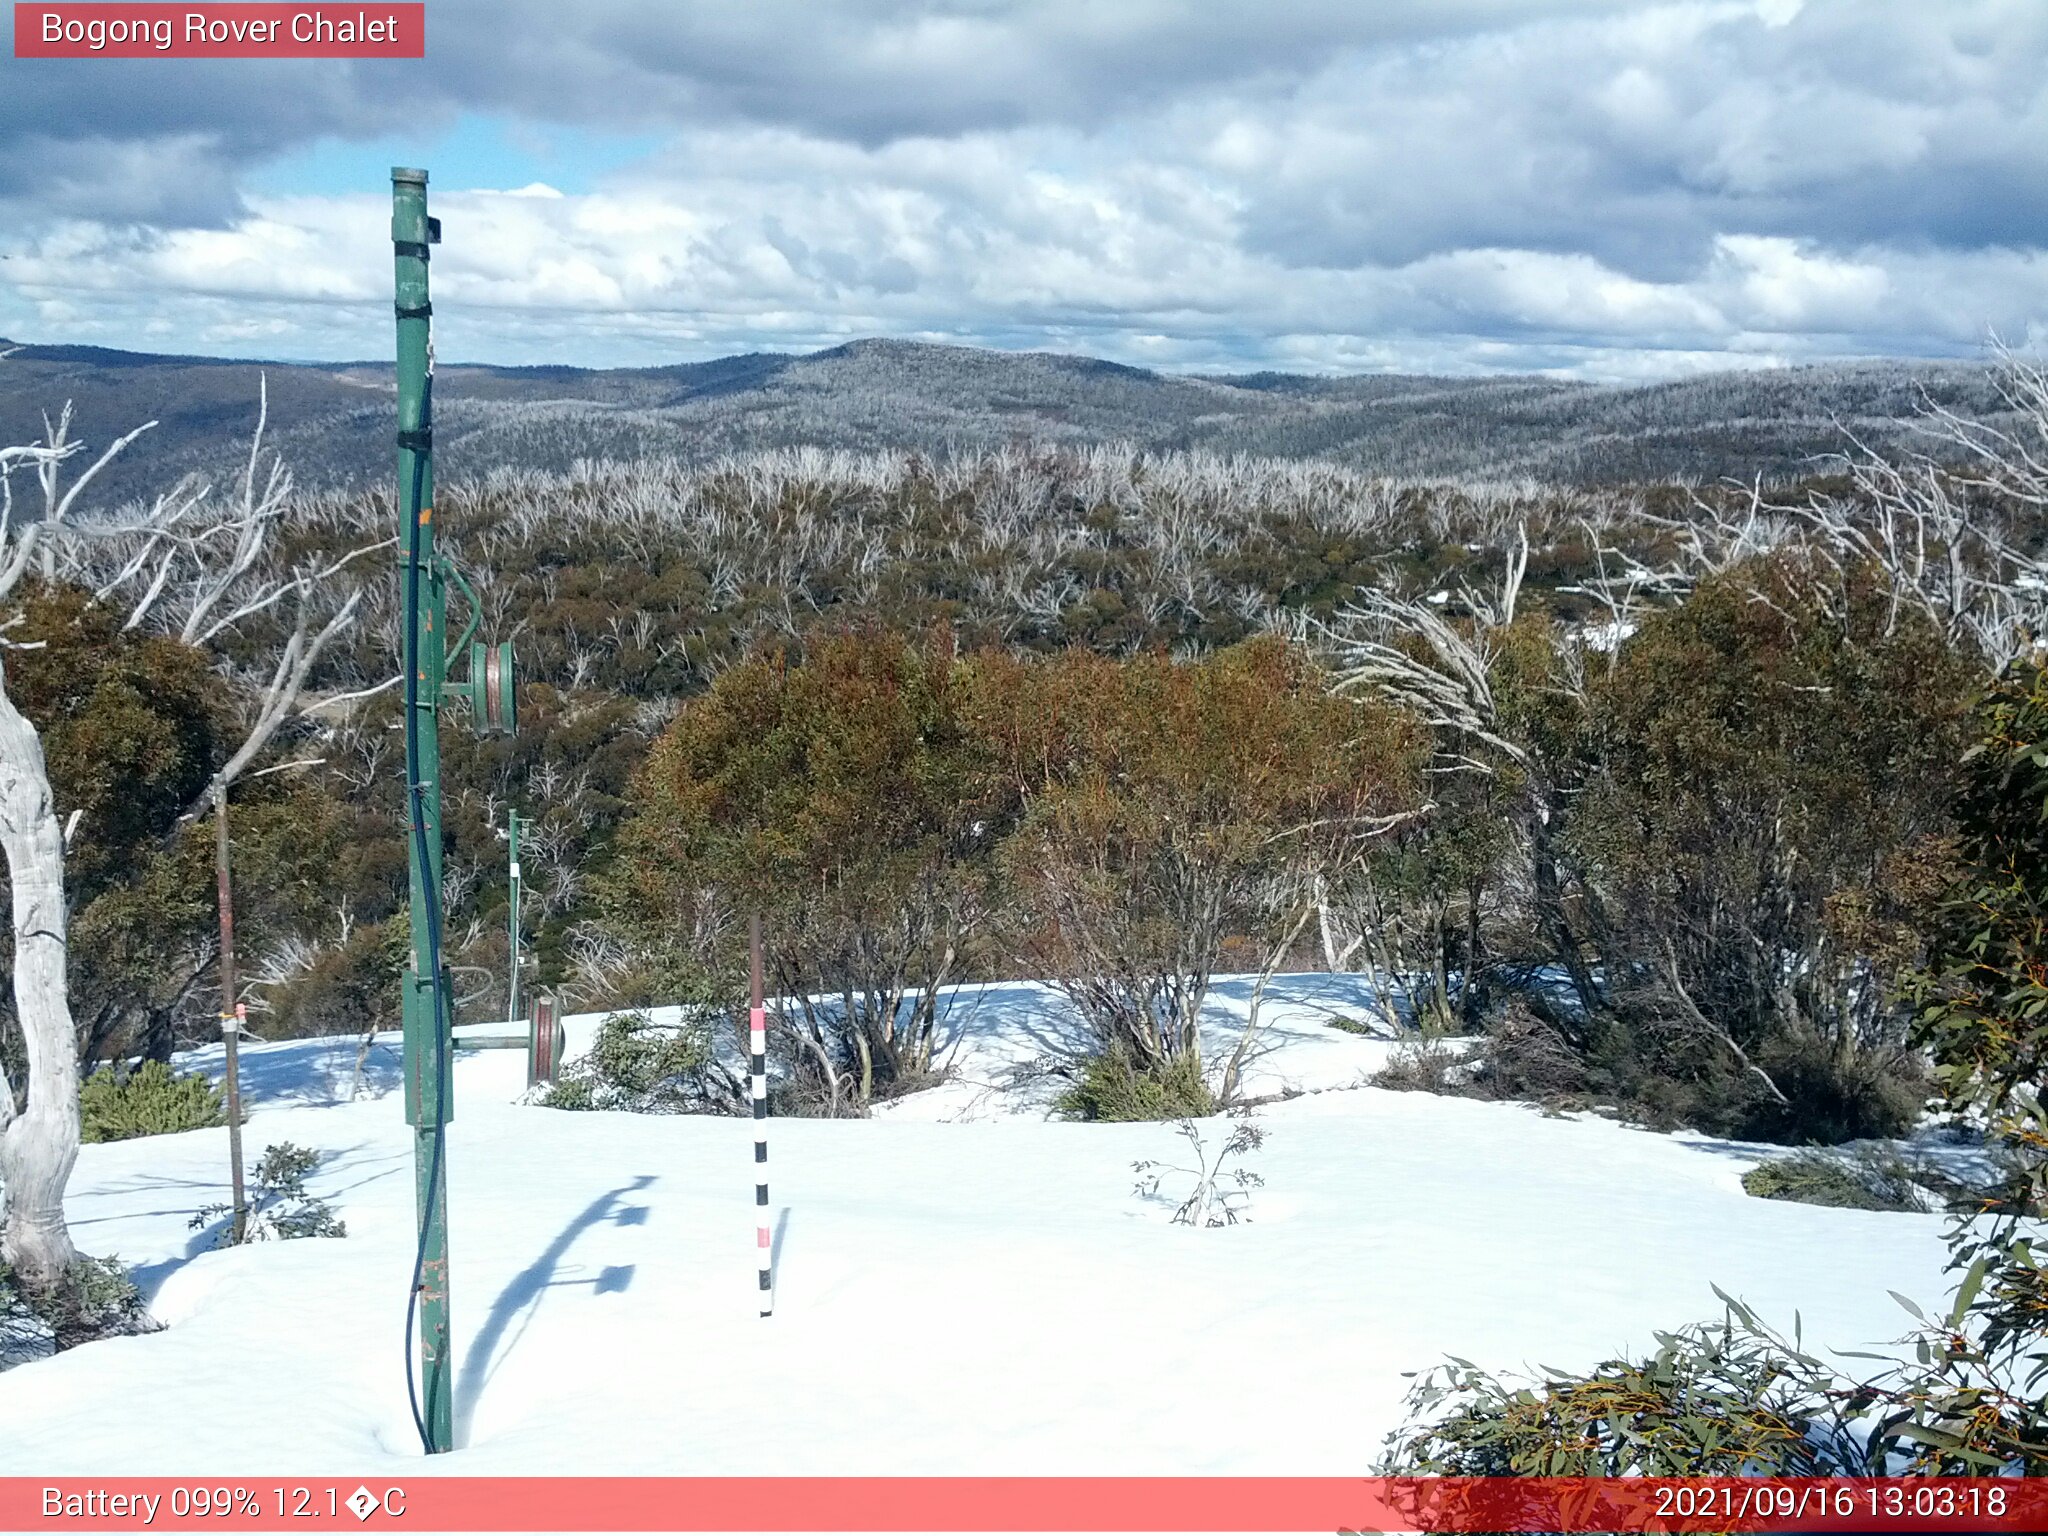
(965, 1287)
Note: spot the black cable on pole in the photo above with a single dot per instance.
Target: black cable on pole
(416, 812)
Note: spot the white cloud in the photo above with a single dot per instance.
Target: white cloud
(1565, 187)
(1770, 283)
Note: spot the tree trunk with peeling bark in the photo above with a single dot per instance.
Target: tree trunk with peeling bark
(39, 1144)
(39, 1136)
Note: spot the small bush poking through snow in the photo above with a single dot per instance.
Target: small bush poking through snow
(1527, 1058)
(1714, 1400)
(149, 1101)
(1865, 1180)
(96, 1300)
(1222, 1195)
(1522, 1058)
(638, 1065)
(1113, 1087)
(279, 1207)
(25, 1334)
(1736, 1398)
(1424, 1066)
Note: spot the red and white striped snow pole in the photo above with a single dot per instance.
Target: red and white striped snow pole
(757, 1047)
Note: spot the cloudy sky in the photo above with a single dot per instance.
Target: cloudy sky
(1602, 189)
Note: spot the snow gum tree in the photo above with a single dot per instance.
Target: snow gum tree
(906, 818)
(1769, 821)
(38, 1143)
(1165, 808)
(841, 797)
(1489, 682)
(1731, 803)
(1982, 998)
(198, 569)
(130, 725)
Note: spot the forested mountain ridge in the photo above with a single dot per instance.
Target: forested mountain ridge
(332, 422)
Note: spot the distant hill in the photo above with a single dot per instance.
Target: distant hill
(333, 422)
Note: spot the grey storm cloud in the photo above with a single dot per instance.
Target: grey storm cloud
(864, 72)
(166, 140)
(871, 71)
(1605, 131)
(1323, 177)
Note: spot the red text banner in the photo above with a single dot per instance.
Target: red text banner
(215, 31)
(1251, 1504)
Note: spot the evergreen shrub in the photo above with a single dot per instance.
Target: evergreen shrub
(149, 1100)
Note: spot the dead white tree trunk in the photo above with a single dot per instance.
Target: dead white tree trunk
(39, 1144)
(206, 566)
(38, 1134)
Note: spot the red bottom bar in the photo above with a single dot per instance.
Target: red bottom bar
(1250, 1504)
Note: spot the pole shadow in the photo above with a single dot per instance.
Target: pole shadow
(521, 1297)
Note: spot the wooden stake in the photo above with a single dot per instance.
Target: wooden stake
(230, 1013)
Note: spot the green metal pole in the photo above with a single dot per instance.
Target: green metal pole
(427, 1051)
(512, 1009)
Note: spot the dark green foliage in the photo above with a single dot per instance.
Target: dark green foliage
(637, 1065)
(1832, 1095)
(131, 725)
(1714, 1400)
(1737, 821)
(569, 1092)
(1867, 1182)
(1420, 894)
(1983, 1010)
(95, 1300)
(1730, 1399)
(24, 1335)
(148, 1100)
(1762, 829)
(134, 726)
(1113, 1087)
(1983, 993)
(1739, 1398)
(1624, 1059)
(636, 1058)
(279, 1208)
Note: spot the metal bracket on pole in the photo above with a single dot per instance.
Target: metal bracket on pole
(489, 688)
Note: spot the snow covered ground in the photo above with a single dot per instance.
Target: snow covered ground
(964, 1286)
